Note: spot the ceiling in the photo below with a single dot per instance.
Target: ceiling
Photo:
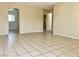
(45, 5)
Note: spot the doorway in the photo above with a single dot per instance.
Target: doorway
(47, 22)
(44, 23)
(13, 20)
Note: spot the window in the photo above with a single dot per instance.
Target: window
(11, 17)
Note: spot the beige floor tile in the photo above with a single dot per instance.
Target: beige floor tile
(35, 53)
(1, 53)
(25, 55)
(56, 52)
(31, 50)
(49, 54)
(38, 45)
(21, 51)
(63, 55)
(40, 56)
(43, 50)
(11, 54)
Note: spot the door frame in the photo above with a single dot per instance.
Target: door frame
(18, 20)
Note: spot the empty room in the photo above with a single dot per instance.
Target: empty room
(39, 29)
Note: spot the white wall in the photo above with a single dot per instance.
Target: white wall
(66, 19)
(31, 18)
(3, 20)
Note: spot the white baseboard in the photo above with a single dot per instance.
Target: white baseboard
(30, 32)
(66, 36)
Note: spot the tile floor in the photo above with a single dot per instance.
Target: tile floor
(38, 45)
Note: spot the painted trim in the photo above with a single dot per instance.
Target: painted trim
(66, 36)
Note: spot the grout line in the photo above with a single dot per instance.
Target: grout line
(13, 48)
(44, 47)
(35, 48)
(56, 55)
(51, 50)
(3, 48)
(24, 48)
(39, 55)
